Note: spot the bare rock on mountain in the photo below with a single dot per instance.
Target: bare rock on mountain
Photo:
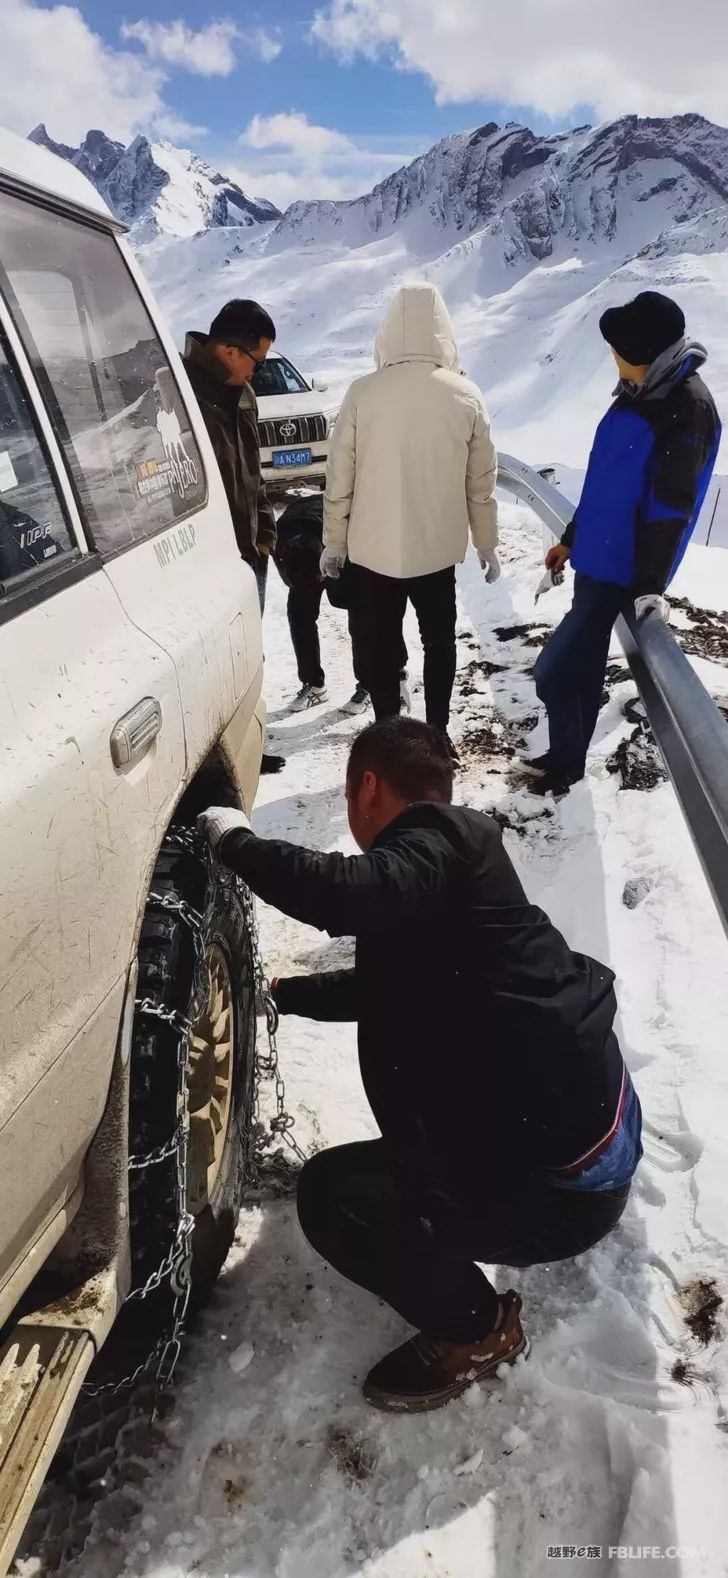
(621, 184)
(133, 185)
(40, 136)
(97, 156)
(160, 190)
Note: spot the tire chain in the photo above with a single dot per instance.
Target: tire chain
(177, 1263)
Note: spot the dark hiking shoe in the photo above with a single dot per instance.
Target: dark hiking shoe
(425, 1374)
(555, 782)
(272, 764)
(535, 764)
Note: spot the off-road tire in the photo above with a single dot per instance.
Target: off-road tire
(166, 958)
(104, 1430)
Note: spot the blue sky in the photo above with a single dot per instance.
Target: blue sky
(321, 98)
(361, 98)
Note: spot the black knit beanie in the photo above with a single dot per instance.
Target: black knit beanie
(643, 328)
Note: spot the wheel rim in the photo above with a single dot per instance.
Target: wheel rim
(210, 1083)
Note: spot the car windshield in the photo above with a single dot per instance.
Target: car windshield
(276, 376)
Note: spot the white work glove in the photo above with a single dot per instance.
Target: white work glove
(332, 563)
(218, 820)
(490, 563)
(652, 602)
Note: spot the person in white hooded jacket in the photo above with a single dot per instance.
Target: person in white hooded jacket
(412, 469)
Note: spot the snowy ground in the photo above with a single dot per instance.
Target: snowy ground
(613, 1434)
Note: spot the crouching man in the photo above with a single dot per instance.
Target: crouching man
(510, 1129)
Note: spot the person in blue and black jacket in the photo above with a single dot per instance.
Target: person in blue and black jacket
(648, 474)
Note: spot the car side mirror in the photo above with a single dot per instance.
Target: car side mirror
(319, 385)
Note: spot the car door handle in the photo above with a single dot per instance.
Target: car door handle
(132, 736)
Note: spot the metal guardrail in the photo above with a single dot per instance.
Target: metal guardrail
(690, 731)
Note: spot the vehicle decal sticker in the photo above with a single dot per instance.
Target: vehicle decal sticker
(175, 544)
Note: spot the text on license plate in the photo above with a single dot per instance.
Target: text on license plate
(292, 457)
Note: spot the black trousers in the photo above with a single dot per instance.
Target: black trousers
(419, 1253)
(304, 606)
(380, 606)
(570, 671)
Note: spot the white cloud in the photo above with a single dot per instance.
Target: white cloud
(294, 133)
(208, 52)
(174, 127)
(288, 157)
(653, 57)
(264, 42)
(284, 187)
(54, 68)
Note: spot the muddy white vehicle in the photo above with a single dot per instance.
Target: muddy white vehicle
(130, 678)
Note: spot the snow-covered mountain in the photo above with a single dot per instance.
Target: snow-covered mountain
(158, 189)
(533, 193)
(529, 237)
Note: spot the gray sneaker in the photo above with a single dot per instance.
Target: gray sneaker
(357, 703)
(309, 696)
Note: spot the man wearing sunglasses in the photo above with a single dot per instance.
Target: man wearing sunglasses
(220, 366)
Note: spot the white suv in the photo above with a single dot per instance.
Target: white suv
(294, 424)
(130, 678)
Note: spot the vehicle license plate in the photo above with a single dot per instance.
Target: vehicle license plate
(292, 457)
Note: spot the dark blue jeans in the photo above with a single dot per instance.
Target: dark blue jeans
(570, 672)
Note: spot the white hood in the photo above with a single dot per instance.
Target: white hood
(417, 328)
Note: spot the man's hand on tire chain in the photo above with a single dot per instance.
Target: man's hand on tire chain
(218, 820)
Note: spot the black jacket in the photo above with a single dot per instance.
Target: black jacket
(486, 1045)
(299, 548)
(300, 542)
(231, 417)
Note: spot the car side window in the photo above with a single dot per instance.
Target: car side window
(109, 389)
(34, 530)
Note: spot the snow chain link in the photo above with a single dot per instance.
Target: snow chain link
(177, 1264)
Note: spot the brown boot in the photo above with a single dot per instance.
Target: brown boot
(425, 1374)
